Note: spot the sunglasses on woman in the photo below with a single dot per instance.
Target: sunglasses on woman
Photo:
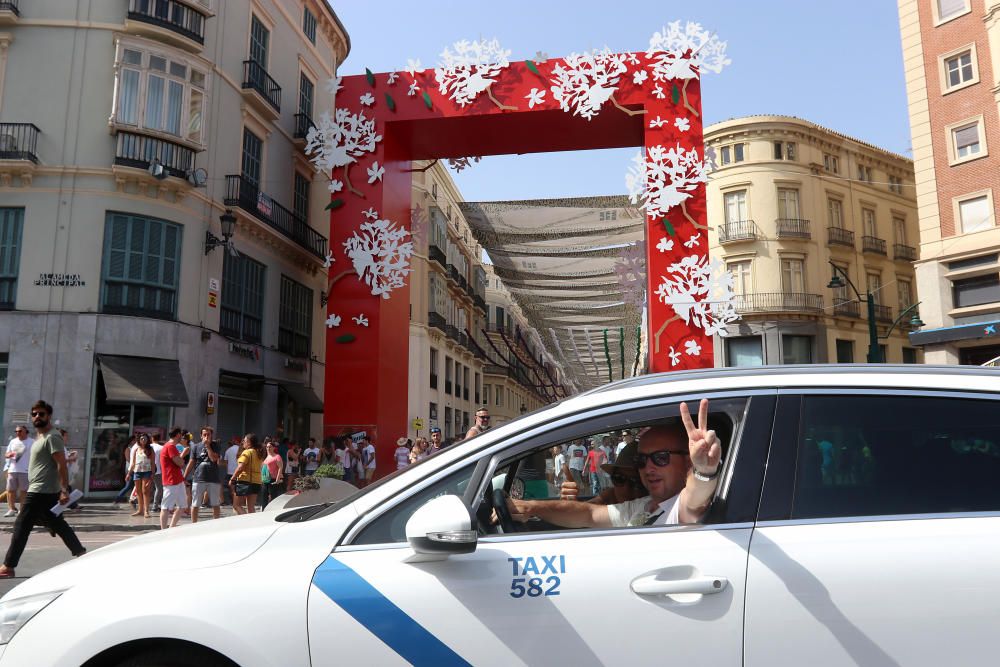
(619, 479)
(659, 458)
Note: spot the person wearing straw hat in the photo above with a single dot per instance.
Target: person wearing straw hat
(625, 482)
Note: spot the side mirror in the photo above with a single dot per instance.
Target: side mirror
(441, 527)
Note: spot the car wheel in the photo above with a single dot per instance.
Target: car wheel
(174, 657)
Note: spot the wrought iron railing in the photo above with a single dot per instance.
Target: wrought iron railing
(170, 14)
(778, 302)
(241, 192)
(451, 331)
(302, 125)
(846, 308)
(463, 340)
(840, 236)
(793, 228)
(437, 255)
(873, 244)
(10, 6)
(19, 141)
(256, 78)
(139, 151)
(453, 273)
(479, 302)
(739, 230)
(436, 320)
(906, 252)
(883, 313)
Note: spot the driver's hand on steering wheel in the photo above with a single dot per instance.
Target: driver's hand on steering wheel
(518, 510)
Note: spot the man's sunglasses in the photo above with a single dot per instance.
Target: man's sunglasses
(486, 417)
(660, 458)
(619, 479)
(38, 413)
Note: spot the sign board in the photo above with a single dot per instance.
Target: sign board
(418, 424)
(356, 437)
(213, 284)
(213, 300)
(210, 403)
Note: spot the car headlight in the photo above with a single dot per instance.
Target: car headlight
(15, 613)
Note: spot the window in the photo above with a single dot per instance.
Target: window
(745, 351)
(845, 351)
(796, 349)
(896, 184)
(300, 198)
(295, 315)
(242, 298)
(909, 355)
(865, 174)
(608, 215)
(11, 225)
(784, 150)
(788, 203)
(500, 316)
(448, 366)
(141, 266)
(447, 422)
(432, 413)
(973, 262)
(976, 291)
(738, 152)
(309, 25)
(975, 214)
(840, 294)
(905, 294)
(736, 206)
(868, 220)
(465, 383)
(160, 92)
(259, 39)
(499, 395)
(724, 154)
(486, 394)
(835, 212)
(831, 163)
(793, 280)
(479, 388)
(899, 229)
(742, 278)
(253, 156)
(949, 9)
(306, 93)
(965, 141)
(959, 70)
(434, 368)
(868, 465)
(458, 380)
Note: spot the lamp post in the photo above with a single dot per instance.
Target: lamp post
(228, 223)
(874, 353)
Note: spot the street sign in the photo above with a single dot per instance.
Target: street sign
(418, 424)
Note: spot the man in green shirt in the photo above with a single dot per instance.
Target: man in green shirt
(48, 485)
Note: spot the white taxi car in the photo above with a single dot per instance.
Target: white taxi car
(857, 521)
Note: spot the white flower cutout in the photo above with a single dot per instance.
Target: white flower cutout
(638, 78)
(692, 348)
(328, 260)
(335, 185)
(391, 79)
(682, 124)
(332, 321)
(665, 244)
(535, 97)
(675, 357)
(361, 320)
(658, 91)
(375, 172)
(371, 214)
(333, 85)
(632, 59)
(693, 241)
(367, 99)
(414, 88)
(413, 67)
(657, 122)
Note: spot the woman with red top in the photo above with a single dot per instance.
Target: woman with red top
(274, 462)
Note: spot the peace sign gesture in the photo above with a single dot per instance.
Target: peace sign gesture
(703, 444)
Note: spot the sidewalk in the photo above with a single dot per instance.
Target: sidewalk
(104, 516)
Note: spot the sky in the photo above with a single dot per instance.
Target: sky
(838, 64)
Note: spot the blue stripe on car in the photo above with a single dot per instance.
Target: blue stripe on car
(352, 593)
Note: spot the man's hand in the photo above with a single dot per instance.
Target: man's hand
(63, 497)
(569, 490)
(520, 510)
(703, 444)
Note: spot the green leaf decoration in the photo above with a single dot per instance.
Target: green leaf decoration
(675, 94)
(335, 204)
(427, 100)
(532, 67)
(669, 227)
(370, 77)
(346, 338)
(391, 103)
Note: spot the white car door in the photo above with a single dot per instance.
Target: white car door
(879, 533)
(632, 596)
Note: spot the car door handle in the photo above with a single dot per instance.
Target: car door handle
(650, 585)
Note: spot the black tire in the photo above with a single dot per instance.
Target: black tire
(176, 657)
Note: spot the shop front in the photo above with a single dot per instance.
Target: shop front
(131, 395)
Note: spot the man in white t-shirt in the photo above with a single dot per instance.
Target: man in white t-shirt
(16, 460)
(626, 440)
(576, 456)
(402, 453)
(311, 457)
(368, 460)
(681, 481)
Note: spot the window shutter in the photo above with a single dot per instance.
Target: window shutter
(948, 8)
(10, 240)
(966, 137)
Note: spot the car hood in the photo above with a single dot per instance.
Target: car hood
(208, 544)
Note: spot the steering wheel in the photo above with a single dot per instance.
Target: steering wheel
(507, 522)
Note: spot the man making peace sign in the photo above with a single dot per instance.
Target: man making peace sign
(681, 481)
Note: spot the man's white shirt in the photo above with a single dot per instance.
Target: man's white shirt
(637, 512)
(19, 463)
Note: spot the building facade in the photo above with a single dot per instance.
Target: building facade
(786, 199)
(134, 136)
(951, 56)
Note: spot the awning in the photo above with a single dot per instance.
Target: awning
(142, 380)
(303, 396)
(961, 332)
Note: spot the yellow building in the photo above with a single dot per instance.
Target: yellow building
(787, 198)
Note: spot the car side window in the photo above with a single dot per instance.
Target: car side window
(884, 455)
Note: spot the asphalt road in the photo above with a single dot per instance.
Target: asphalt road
(45, 551)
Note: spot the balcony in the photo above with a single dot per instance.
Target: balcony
(171, 21)
(793, 228)
(740, 230)
(303, 123)
(904, 252)
(139, 150)
(845, 308)
(839, 236)
(873, 244)
(494, 369)
(883, 313)
(260, 89)
(451, 331)
(778, 302)
(436, 320)
(9, 13)
(479, 302)
(463, 340)
(435, 254)
(244, 194)
(18, 149)
(447, 386)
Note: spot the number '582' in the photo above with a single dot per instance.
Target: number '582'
(534, 587)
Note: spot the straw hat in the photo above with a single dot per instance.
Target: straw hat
(625, 460)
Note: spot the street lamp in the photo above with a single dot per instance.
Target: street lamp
(228, 222)
(874, 353)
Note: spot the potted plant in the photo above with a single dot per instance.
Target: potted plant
(328, 471)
